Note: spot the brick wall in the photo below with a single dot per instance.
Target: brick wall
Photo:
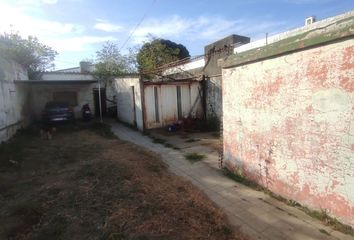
(289, 125)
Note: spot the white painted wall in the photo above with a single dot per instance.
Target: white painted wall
(167, 103)
(66, 76)
(197, 63)
(125, 106)
(14, 99)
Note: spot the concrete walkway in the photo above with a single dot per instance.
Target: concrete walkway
(254, 213)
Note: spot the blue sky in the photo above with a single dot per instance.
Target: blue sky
(78, 28)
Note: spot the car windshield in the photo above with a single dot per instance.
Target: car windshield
(56, 105)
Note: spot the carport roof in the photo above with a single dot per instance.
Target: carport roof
(55, 81)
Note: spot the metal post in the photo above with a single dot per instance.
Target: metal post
(99, 99)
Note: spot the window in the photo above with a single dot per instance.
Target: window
(68, 97)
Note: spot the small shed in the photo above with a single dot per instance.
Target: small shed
(167, 102)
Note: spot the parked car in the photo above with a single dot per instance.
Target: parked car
(58, 112)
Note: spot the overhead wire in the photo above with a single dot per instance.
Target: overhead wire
(138, 25)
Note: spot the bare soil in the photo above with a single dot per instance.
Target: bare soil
(86, 184)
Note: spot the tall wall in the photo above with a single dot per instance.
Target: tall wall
(289, 125)
(213, 52)
(14, 99)
(127, 102)
(293, 32)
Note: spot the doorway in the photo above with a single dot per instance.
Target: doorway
(97, 101)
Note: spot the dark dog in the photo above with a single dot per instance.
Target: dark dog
(47, 130)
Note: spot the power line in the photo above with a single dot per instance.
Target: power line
(139, 23)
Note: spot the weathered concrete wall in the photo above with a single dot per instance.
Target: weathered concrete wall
(213, 52)
(14, 99)
(289, 125)
(214, 97)
(43, 93)
(128, 111)
(164, 111)
(291, 33)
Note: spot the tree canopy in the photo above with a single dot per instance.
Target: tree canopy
(158, 52)
(110, 62)
(30, 53)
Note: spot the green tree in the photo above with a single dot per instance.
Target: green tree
(30, 53)
(158, 52)
(110, 63)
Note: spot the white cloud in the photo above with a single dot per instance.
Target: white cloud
(78, 44)
(203, 28)
(49, 1)
(107, 27)
(32, 4)
(13, 19)
(65, 38)
(161, 27)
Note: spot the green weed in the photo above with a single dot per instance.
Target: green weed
(194, 157)
(320, 215)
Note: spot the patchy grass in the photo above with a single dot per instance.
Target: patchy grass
(241, 179)
(194, 157)
(324, 232)
(128, 125)
(320, 215)
(87, 184)
(158, 140)
(161, 141)
(103, 129)
(168, 145)
(328, 220)
(191, 140)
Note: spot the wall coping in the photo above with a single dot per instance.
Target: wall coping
(334, 31)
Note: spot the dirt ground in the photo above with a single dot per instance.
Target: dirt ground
(86, 184)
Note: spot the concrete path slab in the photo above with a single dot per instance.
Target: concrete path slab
(254, 213)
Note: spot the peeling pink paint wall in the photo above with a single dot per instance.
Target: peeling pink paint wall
(288, 123)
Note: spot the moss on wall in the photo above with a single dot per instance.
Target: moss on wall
(341, 29)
